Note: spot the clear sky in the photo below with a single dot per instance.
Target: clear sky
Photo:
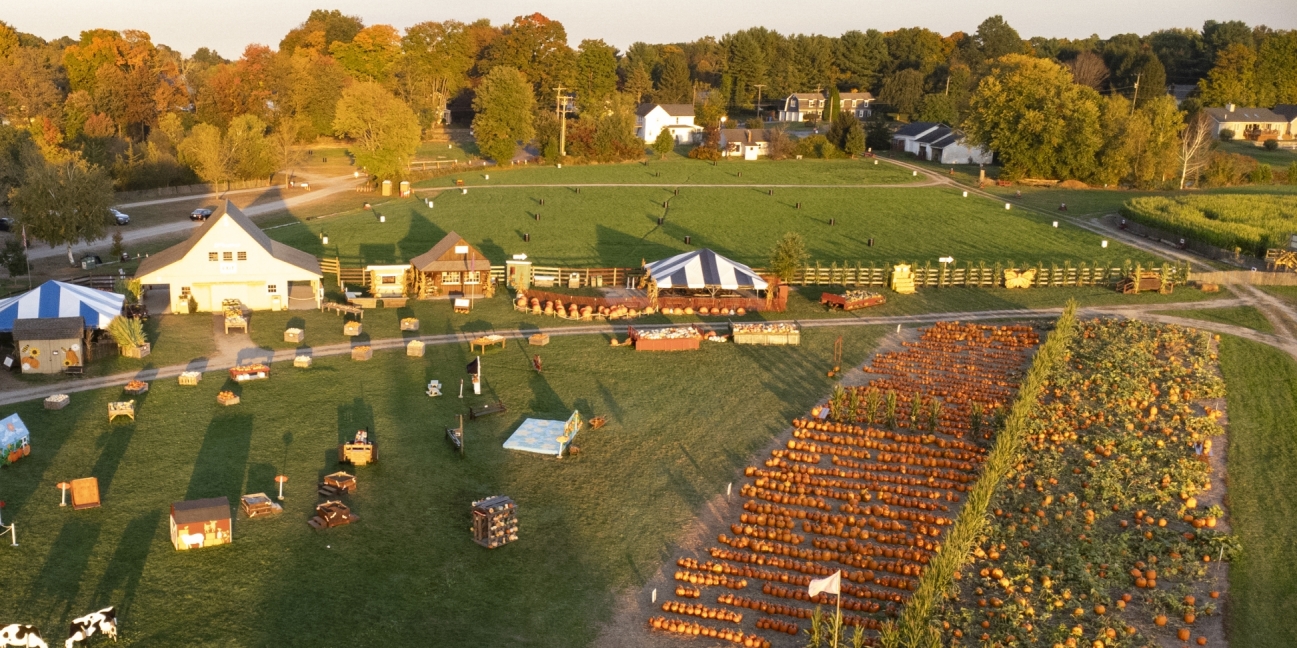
(229, 25)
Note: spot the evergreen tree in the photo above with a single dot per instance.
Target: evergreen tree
(675, 85)
(664, 143)
(596, 75)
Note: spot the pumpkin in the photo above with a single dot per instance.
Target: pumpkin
(689, 310)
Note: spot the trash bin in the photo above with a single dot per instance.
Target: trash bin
(88, 263)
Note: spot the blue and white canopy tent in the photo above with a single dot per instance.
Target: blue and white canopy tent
(704, 270)
(54, 299)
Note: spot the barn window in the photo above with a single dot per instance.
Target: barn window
(243, 256)
(270, 288)
(450, 277)
(212, 256)
(227, 256)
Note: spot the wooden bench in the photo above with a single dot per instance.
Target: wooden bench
(486, 410)
(344, 309)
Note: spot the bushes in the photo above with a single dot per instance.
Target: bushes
(1227, 169)
(1253, 223)
(1271, 145)
(1262, 174)
(1226, 134)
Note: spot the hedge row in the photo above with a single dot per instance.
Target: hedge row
(1251, 222)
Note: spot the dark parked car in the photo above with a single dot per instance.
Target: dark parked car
(200, 214)
(119, 217)
(6, 224)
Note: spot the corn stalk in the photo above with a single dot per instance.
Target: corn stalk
(127, 331)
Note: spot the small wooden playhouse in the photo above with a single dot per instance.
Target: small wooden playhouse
(201, 523)
(451, 268)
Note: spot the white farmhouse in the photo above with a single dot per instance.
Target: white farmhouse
(650, 119)
(229, 257)
(938, 143)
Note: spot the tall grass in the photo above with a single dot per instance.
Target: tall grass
(1251, 222)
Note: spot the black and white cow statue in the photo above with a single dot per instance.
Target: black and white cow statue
(16, 634)
(104, 621)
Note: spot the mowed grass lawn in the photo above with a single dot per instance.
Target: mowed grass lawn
(1245, 316)
(617, 226)
(407, 574)
(683, 171)
(1262, 459)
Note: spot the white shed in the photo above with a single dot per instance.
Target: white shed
(229, 257)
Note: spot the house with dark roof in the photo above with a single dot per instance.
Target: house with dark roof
(938, 143)
(1256, 124)
(745, 143)
(1289, 113)
(800, 106)
(651, 119)
(229, 258)
(451, 268)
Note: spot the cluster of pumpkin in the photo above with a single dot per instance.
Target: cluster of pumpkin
(700, 610)
(684, 591)
(877, 509)
(705, 579)
(778, 626)
(570, 310)
(689, 628)
(1099, 526)
(226, 397)
(703, 310)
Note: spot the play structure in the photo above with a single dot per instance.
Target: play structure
(201, 523)
(360, 451)
(903, 279)
(495, 521)
(546, 437)
(331, 514)
(15, 439)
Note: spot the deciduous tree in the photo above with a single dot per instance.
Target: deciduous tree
(1232, 79)
(372, 55)
(384, 131)
(504, 106)
(596, 75)
(63, 203)
(664, 143)
(903, 90)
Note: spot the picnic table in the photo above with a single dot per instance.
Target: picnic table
(486, 341)
(344, 309)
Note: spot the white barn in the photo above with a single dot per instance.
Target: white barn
(650, 119)
(229, 257)
(938, 143)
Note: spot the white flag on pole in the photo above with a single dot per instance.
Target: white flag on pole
(831, 584)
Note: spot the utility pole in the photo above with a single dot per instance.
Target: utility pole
(1134, 100)
(562, 121)
(759, 86)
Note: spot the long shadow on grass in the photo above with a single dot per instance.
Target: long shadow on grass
(121, 578)
(221, 462)
(60, 578)
(421, 235)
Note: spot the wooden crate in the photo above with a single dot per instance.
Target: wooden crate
(137, 351)
(302, 362)
(791, 338)
(227, 399)
(352, 328)
(191, 378)
(258, 504)
(415, 349)
(295, 335)
(409, 324)
(57, 402)
(362, 353)
(538, 339)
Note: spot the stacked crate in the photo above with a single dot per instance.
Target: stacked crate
(495, 521)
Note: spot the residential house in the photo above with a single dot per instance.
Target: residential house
(1256, 124)
(799, 106)
(229, 257)
(651, 118)
(746, 143)
(1289, 113)
(938, 143)
(857, 103)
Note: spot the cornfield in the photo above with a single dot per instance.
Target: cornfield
(1253, 223)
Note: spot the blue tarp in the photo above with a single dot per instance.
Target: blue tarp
(543, 437)
(57, 299)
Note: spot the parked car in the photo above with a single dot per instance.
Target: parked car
(200, 214)
(121, 218)
(6, 224)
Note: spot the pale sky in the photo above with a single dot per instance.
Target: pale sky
(229, 25)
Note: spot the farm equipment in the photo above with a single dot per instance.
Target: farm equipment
(1277, 258)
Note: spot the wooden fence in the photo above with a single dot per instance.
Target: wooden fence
(1247, 277)
(981, 275)
(585, 277)
(358, 277)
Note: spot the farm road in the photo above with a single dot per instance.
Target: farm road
(227, 358)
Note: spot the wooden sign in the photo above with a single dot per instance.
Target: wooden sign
(85, 493)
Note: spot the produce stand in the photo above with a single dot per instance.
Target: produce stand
(294, 335)
(190, 378)
(415, 349)
(538, 339)
(302, 362)
(234, 316)
(244, 373)
(674, 338)
(362, 353)
(136, 387)
(852, 299)
(409, 324)
(495, 521)
(767, 334)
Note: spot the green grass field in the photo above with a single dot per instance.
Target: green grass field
(683, 171)
(617, 226)
(1279, 159)
(1245, 316)
(680, 426)
(1262, 468)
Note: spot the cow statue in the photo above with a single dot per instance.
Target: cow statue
(104, 621)
(16, 634)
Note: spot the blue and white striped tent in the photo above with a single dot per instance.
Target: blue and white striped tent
(703, 269)
(57, 299)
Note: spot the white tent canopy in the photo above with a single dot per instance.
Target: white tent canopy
(57, 299)
(701, 269)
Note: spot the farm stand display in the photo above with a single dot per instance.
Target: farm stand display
(852, 300)
(227, 398)
(1105, 529)
(674, 338)
(136, 387)
(868, 485)
(190, 378)
(495, 521)
(245, 373)
(757, 333)
(362, 353)
(359, 451)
